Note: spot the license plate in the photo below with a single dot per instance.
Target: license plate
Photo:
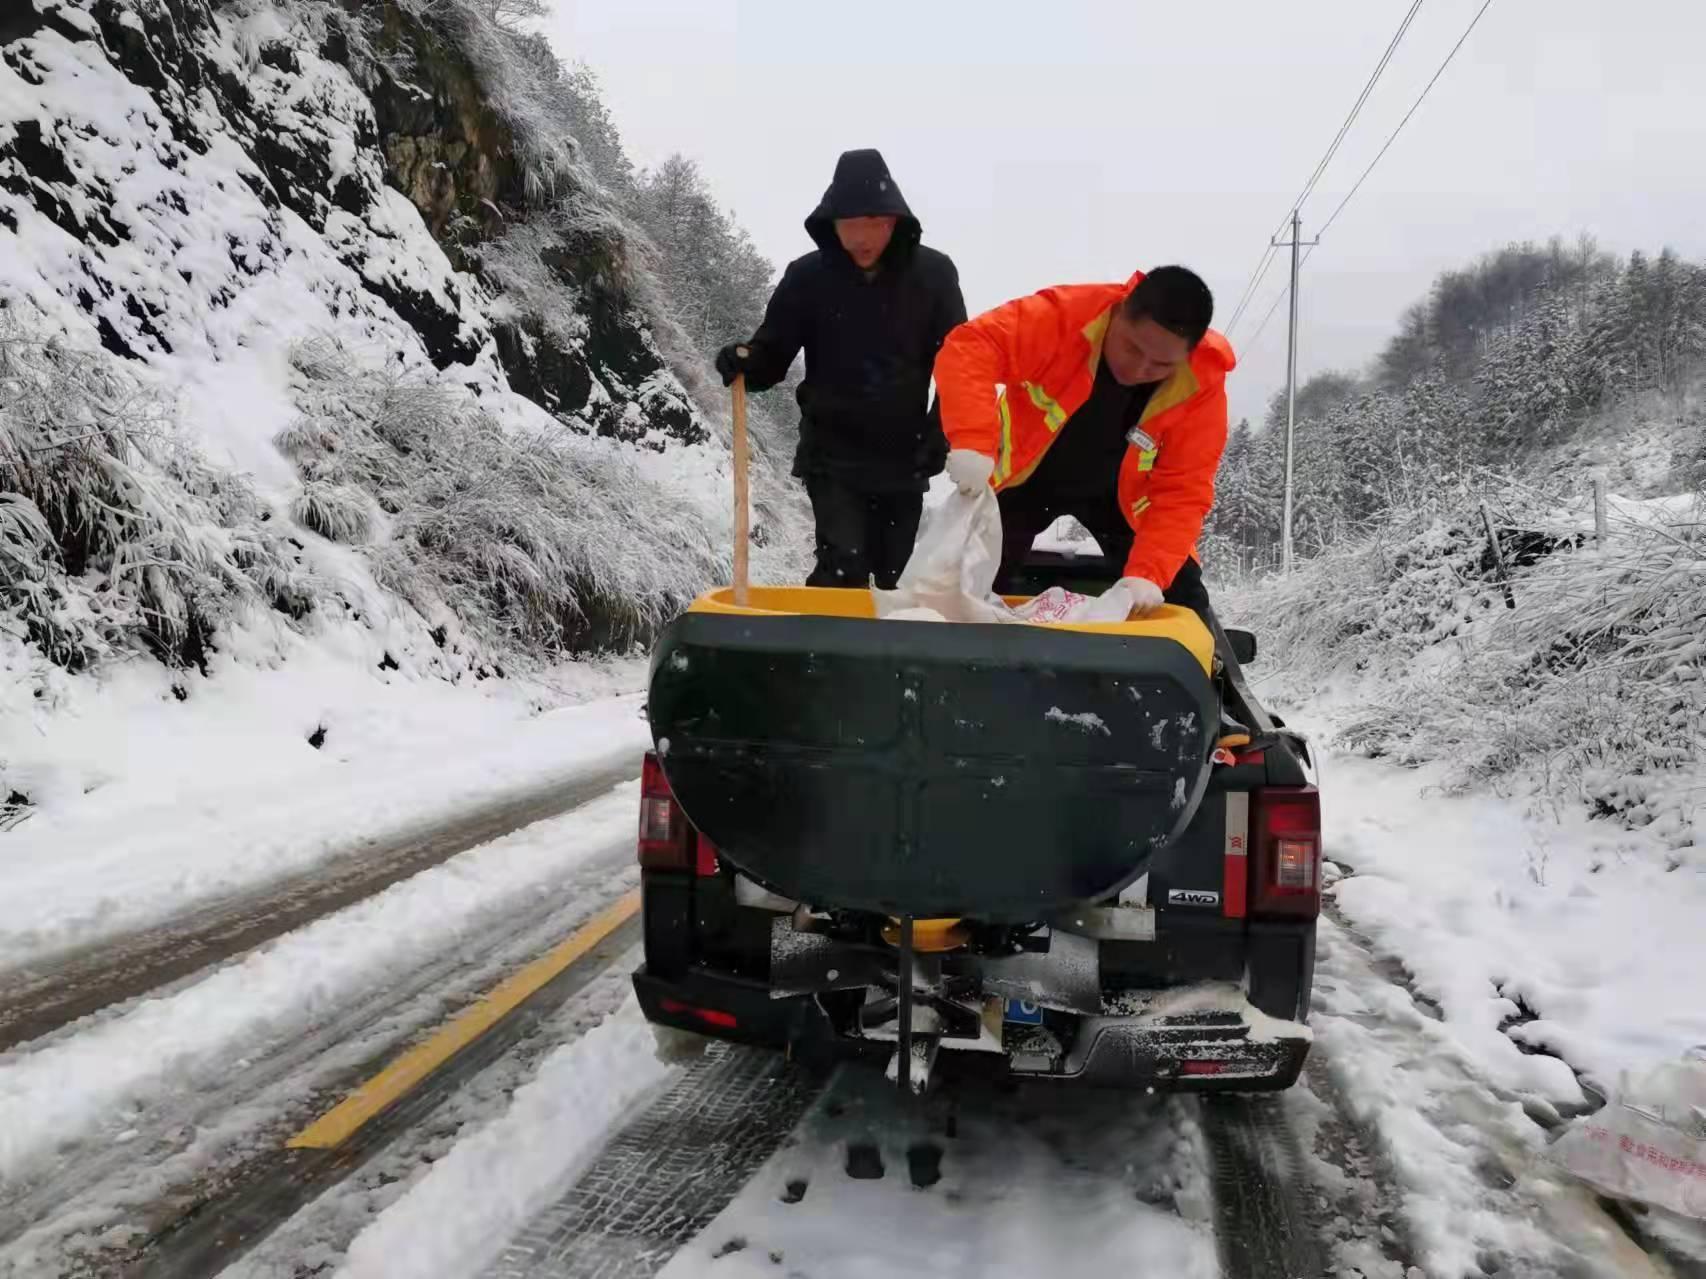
(1022, 1012)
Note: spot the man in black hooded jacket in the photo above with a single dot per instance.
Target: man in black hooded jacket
(871, 307)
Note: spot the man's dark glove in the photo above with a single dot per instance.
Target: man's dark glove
(733, 360)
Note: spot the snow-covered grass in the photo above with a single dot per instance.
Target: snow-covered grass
(271, 325)
(1525, 839)
(542, 539)
(1592, 687)
(336, 512)
(1647, 444)
(115, 535)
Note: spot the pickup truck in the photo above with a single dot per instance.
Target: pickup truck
(1084, 854)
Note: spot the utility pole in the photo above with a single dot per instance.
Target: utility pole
(1296, 243)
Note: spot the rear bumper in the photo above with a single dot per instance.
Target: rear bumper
(796, 1025)
(1128, 1052)
(1199, 1053)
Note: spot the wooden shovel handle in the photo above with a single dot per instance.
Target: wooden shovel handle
(743, 527)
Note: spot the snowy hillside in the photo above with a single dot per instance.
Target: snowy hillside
(1544, 363)
(319, 336)
(1579, 674)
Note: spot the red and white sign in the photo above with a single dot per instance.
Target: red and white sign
(1235, 889)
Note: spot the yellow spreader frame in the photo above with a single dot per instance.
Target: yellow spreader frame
(1177, 624)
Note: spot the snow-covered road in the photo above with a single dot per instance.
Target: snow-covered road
(104, 869)
(101, 1122)
(1422, 1121)
(1034, 1182)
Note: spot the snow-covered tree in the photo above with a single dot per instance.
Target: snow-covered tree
(1533, 378)
(720, 280)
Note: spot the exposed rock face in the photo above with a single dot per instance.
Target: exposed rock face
(445, 147)
(456, 160)
(416, 121)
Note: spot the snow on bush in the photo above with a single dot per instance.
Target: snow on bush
(543, 539)
(115, 535)
(336, 512)
(1594, 684)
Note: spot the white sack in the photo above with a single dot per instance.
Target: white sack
(951, 575)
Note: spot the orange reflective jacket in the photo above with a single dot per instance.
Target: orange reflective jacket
(1009, 379)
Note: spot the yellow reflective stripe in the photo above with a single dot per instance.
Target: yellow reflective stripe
(1140, 506)
(1171, 393)
(1053, 414)
(1004, 456)
(1095, 333)
(1146, 460)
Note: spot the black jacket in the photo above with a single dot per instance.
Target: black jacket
(870, 344)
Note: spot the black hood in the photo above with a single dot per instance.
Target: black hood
(862, 188)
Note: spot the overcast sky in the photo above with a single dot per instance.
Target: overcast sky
(1067, 141)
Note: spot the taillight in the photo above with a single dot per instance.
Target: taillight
(704, 855)
(1196, 1066)
(657, 819)
(1286, 876)
(1294, 863)
(710, 1016)
(668, 840)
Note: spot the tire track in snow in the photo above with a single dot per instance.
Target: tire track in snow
(663, 1177)
(298, 1217)
(1262, 1219)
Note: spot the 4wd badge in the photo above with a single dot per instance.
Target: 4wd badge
(1192, 897)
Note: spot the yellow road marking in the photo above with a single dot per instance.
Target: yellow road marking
(336, 1126)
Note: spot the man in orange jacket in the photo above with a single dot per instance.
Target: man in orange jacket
(1105, 402)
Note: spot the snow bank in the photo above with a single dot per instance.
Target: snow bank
(1463, 1152)
(461, 1211)
(1575, 935)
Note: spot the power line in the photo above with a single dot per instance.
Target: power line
(1393, 137)
(1461, 40)
(1278, 298)
(1266, 262)
(1254, 282)
(1356, 109)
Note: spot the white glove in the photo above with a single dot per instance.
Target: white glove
(1146, 597)
(970, 470)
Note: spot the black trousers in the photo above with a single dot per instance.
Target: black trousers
(1026, 515)
(861, 535)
